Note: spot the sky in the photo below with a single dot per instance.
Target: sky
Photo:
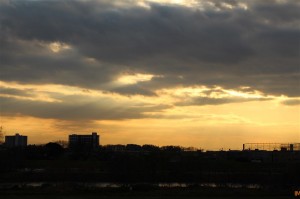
(211, 74)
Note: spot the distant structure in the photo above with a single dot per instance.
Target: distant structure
(15, 140)
(84, 141)
(272, 146)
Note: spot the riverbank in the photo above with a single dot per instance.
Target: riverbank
(151, 191)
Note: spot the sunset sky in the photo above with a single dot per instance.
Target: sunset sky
(205, 73)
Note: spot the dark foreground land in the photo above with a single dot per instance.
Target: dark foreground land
(144, 192)
(149, 172)
(71, 190)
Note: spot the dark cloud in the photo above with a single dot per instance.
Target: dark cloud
(286, 12)
(291, 102)
(256, 47)
(78, 107)
(17, 92)
(196, 101)
(133, 90)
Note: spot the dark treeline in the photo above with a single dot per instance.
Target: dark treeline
(149, 164)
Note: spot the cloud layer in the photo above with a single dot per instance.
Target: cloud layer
(92, 44)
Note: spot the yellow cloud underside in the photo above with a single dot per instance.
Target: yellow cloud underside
(56, 47)
(226, 125)
(133, 79)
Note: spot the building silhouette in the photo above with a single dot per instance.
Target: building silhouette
(15, 140)
(84, 141)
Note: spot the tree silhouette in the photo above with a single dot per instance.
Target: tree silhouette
(53, 150)
(62, 143)
(1, 135)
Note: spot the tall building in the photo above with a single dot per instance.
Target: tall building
(15, 140)
(84, 141)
